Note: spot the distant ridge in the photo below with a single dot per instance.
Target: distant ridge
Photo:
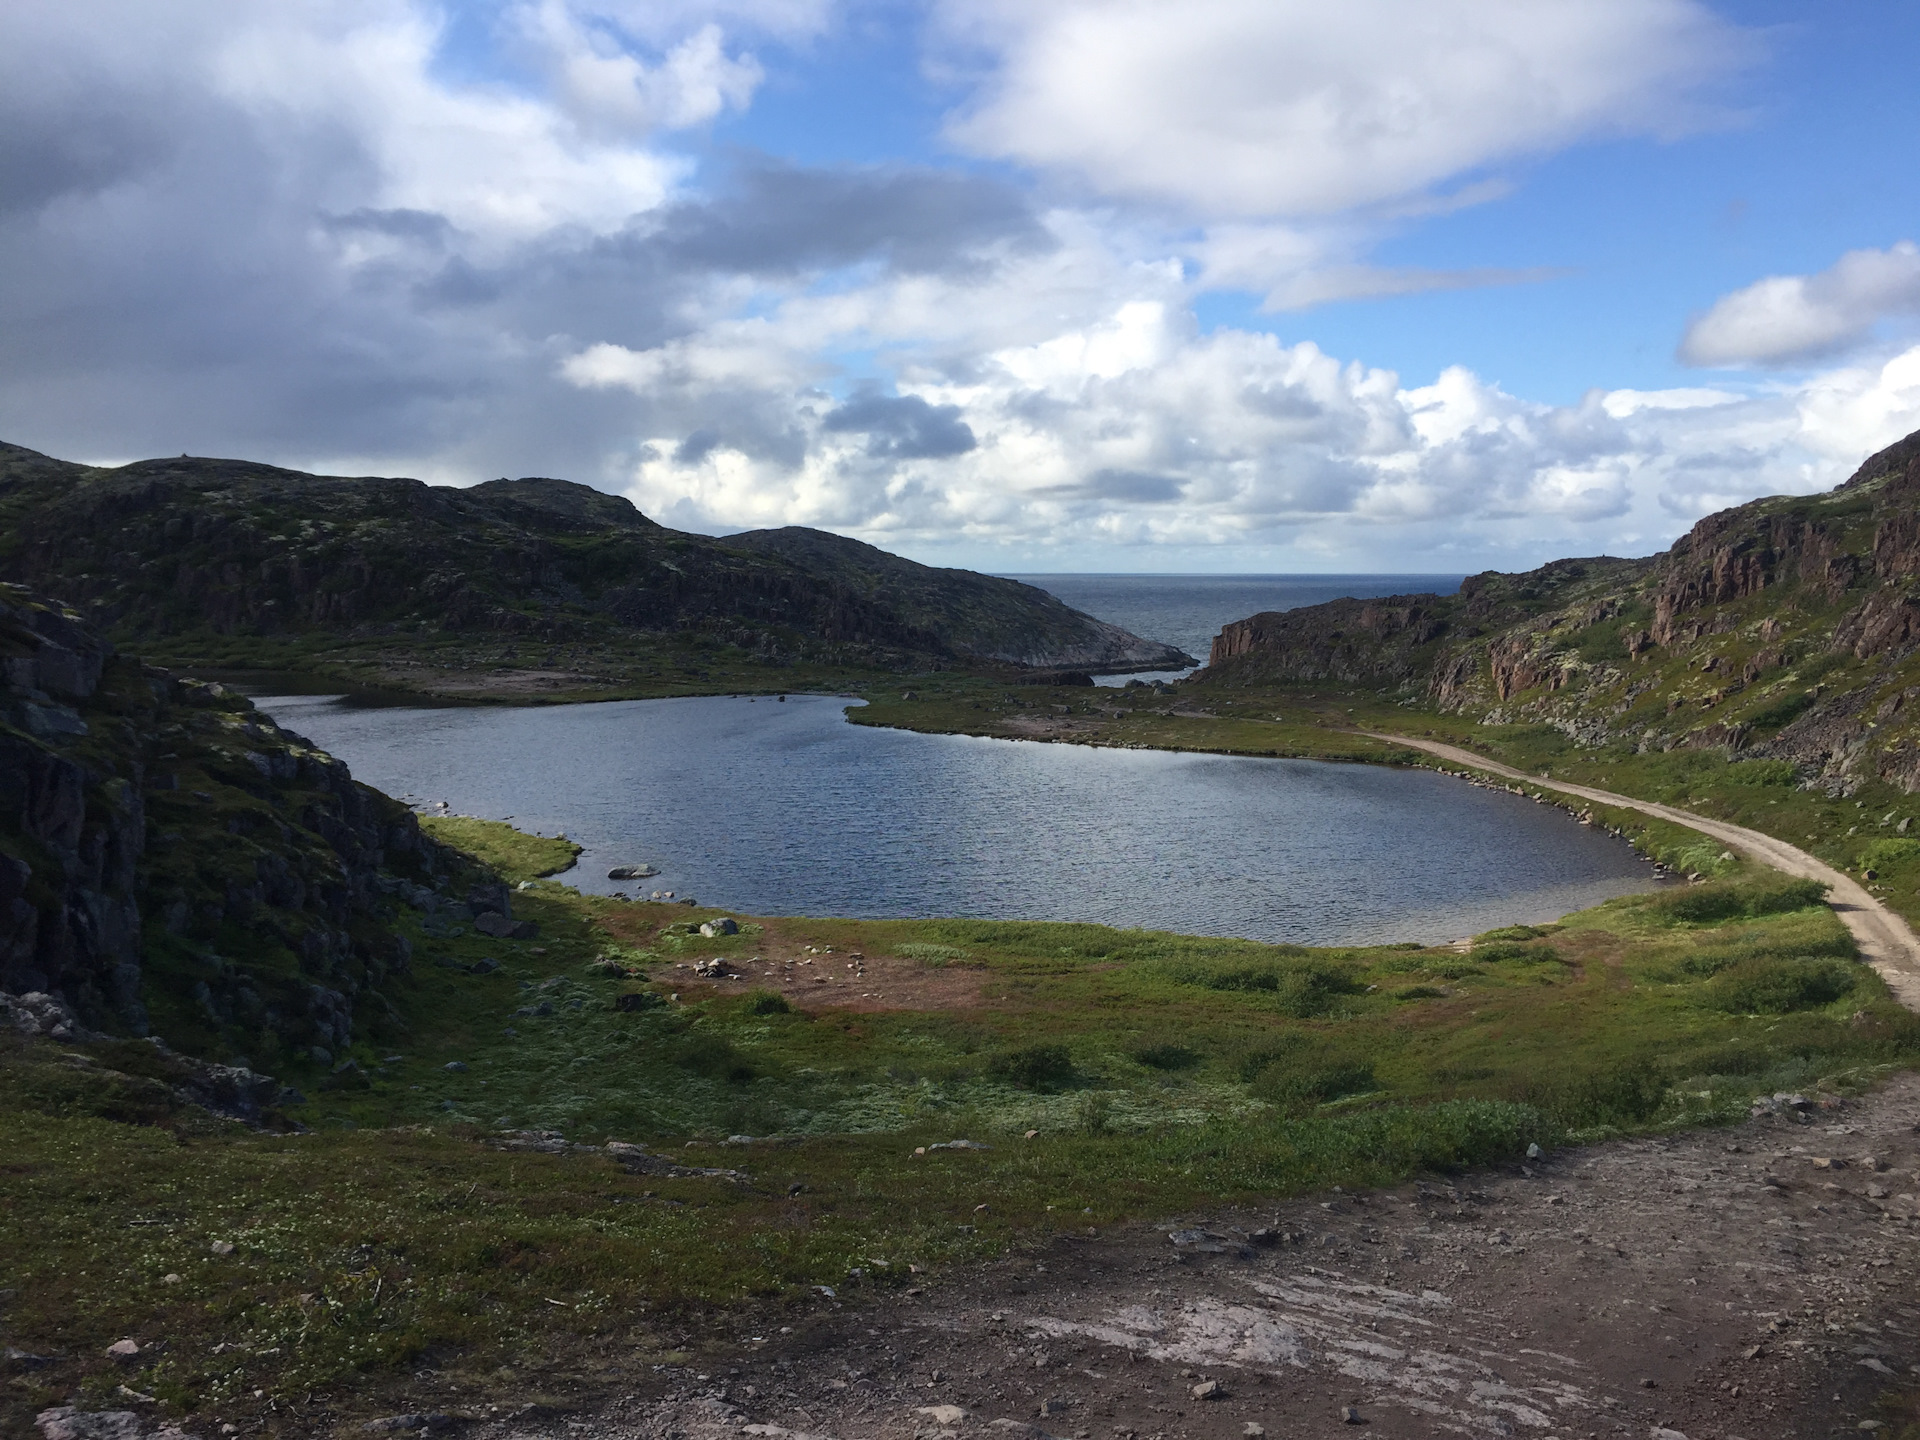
(175, 550)
(1787, 628)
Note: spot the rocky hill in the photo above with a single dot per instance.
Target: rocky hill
(173, 862)
(195, 556)
(1785, 629)
(967, 613)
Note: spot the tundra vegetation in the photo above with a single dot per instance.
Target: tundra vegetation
(1158, 1073)
(453, 1202)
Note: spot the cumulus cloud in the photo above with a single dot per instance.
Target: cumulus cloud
(1295, 107)
(1137, 430)
(301, 234)
(1785, 318)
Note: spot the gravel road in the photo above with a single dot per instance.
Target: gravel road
(1744, 1283)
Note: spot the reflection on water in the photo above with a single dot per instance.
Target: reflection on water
(786, 809)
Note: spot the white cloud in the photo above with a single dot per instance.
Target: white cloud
(1784, 318)
(297, 232)
(606, 88)
(1234, 108)
(1137, 430)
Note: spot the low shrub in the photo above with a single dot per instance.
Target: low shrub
(1884, 854)
(1516, 932)
(1506, 950)
(1167, 1057)
(767, 1002)
(1783, 711)
(1304, 990)
(1706, 904)
(1311, 1078)
(715, 1058)
(1775, 986)
(1760, 772)
(1038, 1067)
(1629, 1092)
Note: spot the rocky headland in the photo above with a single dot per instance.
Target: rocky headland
(1783, 629)
(501, 588)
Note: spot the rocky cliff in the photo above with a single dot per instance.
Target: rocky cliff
(171, 861)
(192, 553)
(1786, 628)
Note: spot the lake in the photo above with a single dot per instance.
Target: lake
(787, 809)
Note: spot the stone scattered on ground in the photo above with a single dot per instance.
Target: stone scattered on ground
(1749, 1305)
(66, 1422)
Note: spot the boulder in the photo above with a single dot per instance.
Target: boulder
(500, 927)
(631, 872)
(722, 926)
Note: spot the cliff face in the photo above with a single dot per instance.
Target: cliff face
(1786, 628)
(166, 549)
(172, 861)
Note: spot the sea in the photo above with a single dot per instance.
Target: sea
(1187, 611)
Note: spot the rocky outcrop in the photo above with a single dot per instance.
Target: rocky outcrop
(1786, 628)
(1345, 640)
(173, 861)
(184, 550)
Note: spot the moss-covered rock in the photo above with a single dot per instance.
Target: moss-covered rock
(173, 861)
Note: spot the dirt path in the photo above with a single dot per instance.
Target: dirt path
(1754, 1283)
(1886, 941)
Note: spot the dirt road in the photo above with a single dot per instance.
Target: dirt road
(1759, 1282)
(1886, 941)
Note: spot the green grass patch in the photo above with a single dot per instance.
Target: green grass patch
(515, 854)
(1159, 1071)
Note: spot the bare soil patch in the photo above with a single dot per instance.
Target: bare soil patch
(814, 976)
(1756, 1281)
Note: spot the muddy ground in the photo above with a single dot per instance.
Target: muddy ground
(1750, 1282)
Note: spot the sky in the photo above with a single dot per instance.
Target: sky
(1230, 286)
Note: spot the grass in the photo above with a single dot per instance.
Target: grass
(513, 854)
(1161, 1072)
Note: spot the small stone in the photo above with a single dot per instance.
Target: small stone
(1649, 1384)
(1752, 1352)
(1209, 1390)
(169, 1279)
(945, 1416)
(455, 1067)
(123, 1350)
(221, 1247)
(1055, 1405)
(1828, 1162)
(1661, 1432)
(1350, 1416)
(1534, 1152)
(1253, 1430)
(1877, 1192)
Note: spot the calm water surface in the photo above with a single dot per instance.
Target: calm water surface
(1189, 610)
(786, 809)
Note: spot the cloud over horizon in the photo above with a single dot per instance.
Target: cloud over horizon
(382, 236)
